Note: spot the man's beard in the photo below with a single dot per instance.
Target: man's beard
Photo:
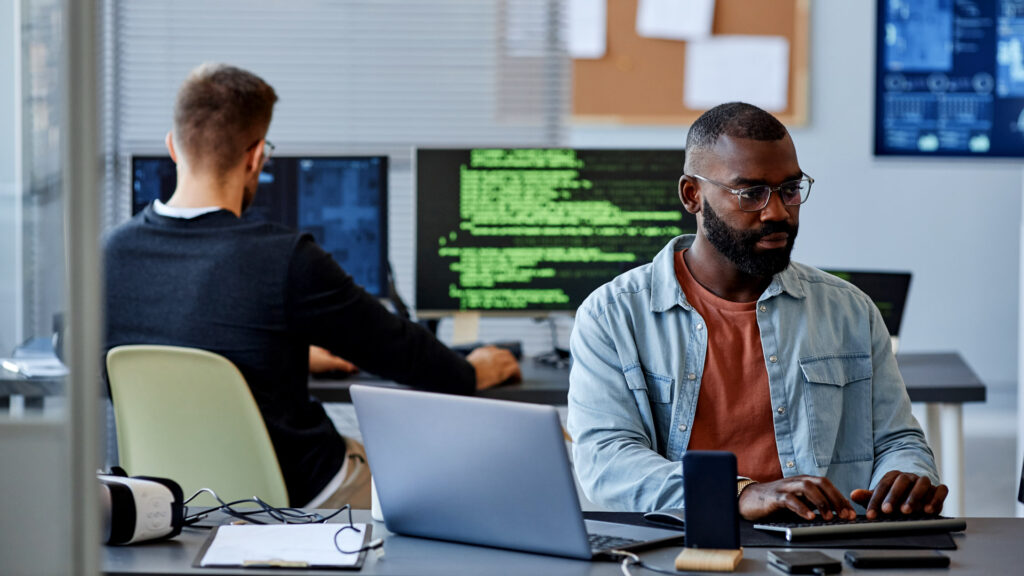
(739, 246)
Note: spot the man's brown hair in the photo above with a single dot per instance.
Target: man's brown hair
(220, 112)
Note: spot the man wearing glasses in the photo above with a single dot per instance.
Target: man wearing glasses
(194, 273)
(723, 343)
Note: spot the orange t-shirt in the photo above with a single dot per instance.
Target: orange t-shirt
(734, 407)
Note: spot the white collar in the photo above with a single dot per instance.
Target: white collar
(183, 213)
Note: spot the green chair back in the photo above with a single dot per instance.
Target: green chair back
(188, 415)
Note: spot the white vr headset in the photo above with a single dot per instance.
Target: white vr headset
(140, 508)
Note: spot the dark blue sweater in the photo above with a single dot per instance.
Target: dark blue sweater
(260, 294)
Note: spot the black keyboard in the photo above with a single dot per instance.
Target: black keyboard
(861, 526)
(602, 542)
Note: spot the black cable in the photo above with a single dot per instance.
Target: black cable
(282, 515)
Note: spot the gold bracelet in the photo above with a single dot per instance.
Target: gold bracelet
(742, 484)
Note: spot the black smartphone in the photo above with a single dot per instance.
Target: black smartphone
(709, 500)
(804, 562)
(897, 559)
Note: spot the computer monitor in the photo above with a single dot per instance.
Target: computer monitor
(888, 290)
(949, 78)
(531, 231)
(340, 200)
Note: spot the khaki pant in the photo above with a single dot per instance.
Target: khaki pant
(355, 488)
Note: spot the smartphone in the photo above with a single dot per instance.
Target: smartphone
(804, 562)
(897, 559)
(709, 500)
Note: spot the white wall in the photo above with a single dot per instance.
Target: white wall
(954, 224)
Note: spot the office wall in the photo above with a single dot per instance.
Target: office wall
(9, 194)
(954, 224)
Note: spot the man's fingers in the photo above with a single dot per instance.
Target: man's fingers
(918, 495)
(838, 503)
(797, 505)
(900, 487)
(813, 494)
(934, 505)
(874, 505)
(861, 496)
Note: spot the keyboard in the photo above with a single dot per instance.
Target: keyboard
(861, 526)
(603, 542)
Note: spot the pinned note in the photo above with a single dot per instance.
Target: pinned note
(753, 69)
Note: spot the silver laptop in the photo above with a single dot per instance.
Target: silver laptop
(487, 472)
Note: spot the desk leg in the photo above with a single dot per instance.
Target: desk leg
(933, 433)
(16, 406)
(951, 418)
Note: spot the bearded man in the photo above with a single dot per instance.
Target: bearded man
(723, 343)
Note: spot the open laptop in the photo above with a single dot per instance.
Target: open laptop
(487, 472)
(888, 290)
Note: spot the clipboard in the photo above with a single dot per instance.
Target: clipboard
(258, 562)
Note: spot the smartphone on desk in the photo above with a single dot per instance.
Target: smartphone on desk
(897, 559)
(804, 562)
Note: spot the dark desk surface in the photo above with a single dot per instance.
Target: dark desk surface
(989, 546)
(930, 377)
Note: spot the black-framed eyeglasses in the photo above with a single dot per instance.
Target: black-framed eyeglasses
(755, 198)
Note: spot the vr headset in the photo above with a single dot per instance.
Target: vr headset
(139, 508)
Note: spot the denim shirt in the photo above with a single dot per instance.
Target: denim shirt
(841, 408)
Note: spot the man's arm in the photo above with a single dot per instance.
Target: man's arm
(904, 478)
(337, 314)
(613, 452)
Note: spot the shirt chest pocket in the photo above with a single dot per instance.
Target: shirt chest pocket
(837, 398)
(660, 391)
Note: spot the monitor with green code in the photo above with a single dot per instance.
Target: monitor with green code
(536, 230)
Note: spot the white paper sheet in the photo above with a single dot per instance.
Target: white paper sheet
(311, 544)
(675, 19)
(752, 69)
(586, 28)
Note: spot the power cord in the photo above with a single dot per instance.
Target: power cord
(631, 559)
(282, 515)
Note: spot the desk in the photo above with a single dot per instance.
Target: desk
(942, 381)
(22, 392)
(990, 546)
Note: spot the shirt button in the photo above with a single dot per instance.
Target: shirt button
(682, 427)
(790, 464)
(700, 327)
(773, 358)
(763, 308)
(691, 376)
(781, 410)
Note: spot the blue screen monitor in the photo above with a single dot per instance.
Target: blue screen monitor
(340, 200)
(949, 78)
(531, 231)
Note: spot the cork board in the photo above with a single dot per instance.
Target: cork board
(640, 80)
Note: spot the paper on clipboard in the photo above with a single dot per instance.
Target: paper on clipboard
(284, 545)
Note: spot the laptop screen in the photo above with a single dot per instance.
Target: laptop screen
(888, 290)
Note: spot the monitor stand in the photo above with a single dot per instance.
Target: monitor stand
(467, 327)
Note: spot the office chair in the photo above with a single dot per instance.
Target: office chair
(1020, 490)
(188, 415)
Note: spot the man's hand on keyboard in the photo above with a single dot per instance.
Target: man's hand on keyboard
(902, 492)
(799, 494)
(321, 361)
(493, 366)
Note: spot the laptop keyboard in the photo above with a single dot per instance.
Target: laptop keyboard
(862, 526)
(601, 542)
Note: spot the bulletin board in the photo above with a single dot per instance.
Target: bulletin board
(640, 80)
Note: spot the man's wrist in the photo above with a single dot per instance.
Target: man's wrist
(742, 484)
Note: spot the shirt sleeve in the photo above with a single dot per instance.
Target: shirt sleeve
(326, 304)
(613, 450)
(899, 442)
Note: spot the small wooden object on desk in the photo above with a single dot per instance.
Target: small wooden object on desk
(707, 560)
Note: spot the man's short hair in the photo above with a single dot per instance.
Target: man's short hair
(734, 119)
(219, 113)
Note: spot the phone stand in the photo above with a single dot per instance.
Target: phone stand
(708, 560)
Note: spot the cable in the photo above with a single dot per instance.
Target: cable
(631, 559)
(282, 515)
